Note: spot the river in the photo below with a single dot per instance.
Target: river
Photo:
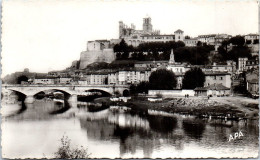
(35, 130)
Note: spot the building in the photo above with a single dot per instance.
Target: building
(209, 39)
(133, 76)
(157, 38)
(97, 51)
(212, 90)
(214, 39)
(229, 67)
(175, 67)
(147, 34)
(253, 63)
(252, 38)
(242, 64)
(179, 35)
(113, 78)
(64, 80)
(150, 64)
(253, 86)
(96, 79)
(44, 80)
(252, 81)
(192, 42)
(223, 78)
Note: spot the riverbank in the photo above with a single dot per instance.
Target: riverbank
(215, 107)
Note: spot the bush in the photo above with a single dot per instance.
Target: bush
(66, 152)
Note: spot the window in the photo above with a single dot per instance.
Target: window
(221, 78)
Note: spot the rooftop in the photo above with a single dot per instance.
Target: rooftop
(216, 73)
(178, 31)
(212, 87)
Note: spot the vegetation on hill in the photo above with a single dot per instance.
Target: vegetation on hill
(162, 50)
(239, 49)
(117, 64)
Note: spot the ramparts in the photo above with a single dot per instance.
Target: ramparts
(88, 57)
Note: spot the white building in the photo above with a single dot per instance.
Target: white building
(242, 64)
(191, 42)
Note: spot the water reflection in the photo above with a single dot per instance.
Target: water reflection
(194, 128)
(162, 124)
(62, 107)
(133, 134)
(40, 109)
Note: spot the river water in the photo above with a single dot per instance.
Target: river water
(35, 130)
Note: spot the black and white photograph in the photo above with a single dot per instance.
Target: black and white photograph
(91, 79)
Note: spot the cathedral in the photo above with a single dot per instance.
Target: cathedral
(134, 37)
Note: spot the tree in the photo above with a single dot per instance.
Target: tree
(187, 37)
(21, 79)
(162, 79)
(256, 41)
(237, 40)
(143, 87)
(122, 50)
(193, 78)
(199, 44)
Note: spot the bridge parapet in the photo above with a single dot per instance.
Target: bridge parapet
(61, 85)
(32, 89)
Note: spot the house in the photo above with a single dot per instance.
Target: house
(212, 77)
(253, 86)
(212, 90)
(133, 76)
(252, 38)
(252, 82)
(44, 80)
(208, 39)
(97, 78)
(150, 64)
(252, 63)
(191, 42)
(242, 64)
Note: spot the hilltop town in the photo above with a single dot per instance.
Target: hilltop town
(230, 63)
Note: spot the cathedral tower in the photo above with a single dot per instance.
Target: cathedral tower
(147, 24)
(121, 26)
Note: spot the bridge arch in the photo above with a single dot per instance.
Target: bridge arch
(21, 95)
(126, 93)
(54, 90)
(104, 92)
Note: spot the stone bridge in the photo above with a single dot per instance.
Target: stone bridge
(29, 90)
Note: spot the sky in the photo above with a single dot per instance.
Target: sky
(46, 35)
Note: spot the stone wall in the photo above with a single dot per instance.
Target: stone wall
(171, 93)
(88, 57)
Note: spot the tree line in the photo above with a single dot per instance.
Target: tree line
(163, 79)
(161, 51)
(234, 48)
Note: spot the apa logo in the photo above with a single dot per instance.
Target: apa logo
(236, 135)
